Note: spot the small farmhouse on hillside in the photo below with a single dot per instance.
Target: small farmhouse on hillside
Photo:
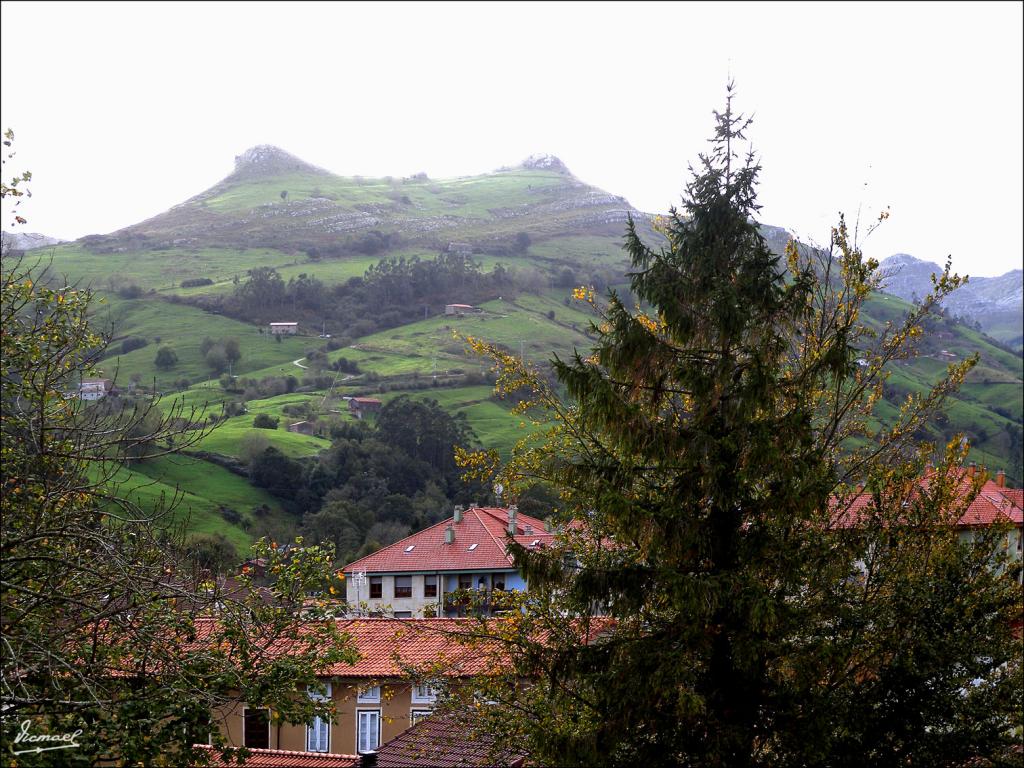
(94, 389)
(287, 329)
(301, 427)
(360, 406)
(462, 309)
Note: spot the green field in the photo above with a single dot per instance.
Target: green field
(196, 490)
(471, 197)
(161, 270)
(229, 436)
(183, 328)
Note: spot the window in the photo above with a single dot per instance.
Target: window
(403, 586)
(499, 581)
(318, 733)
(368, 730)
(423, 694)
(403, 614)
(256, 728)
(419, 714)
(369, 695)
(376, 586)
(430, 586)
(465, 581)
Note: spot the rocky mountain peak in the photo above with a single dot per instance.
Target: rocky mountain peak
(545, 162)
(268, 160)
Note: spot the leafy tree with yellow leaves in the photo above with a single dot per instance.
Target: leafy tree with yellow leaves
(108, 630)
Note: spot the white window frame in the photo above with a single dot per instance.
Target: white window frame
(371, 714)
(424, 694)
(415, 715)
(244, 726)
(368, 695)
(319, 726)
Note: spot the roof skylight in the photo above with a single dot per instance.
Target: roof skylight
(472, 547)
(409, 548)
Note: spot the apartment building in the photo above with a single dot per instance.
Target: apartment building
(417, 576)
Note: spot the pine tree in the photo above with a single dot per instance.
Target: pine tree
(709, 443)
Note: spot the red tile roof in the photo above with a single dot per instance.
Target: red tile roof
(990, 505)
(443, 741)
(281, 758)
(1016, 495)
(389, 647)
(486, 527)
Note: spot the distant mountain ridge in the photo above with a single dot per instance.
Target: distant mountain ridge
(174, 279)
(273, 199)
(994, 303)
(26, 241)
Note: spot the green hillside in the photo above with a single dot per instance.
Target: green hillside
(536, 226)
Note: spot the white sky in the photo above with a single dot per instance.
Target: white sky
(122, 110)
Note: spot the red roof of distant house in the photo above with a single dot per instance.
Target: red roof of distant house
(281, 758)
(443, 741)
(485, 527)
(992, 503)
(461, 306)
(365, 400)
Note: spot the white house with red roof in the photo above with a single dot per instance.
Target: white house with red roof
(993, 504)
(416, 576)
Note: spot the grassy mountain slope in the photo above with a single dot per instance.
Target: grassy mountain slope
(537, 220)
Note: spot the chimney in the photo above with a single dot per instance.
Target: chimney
(449, 535)
(971, 469)
(513, 510)
(1001, 478)
(458, 513)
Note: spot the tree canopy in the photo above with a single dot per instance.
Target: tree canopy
(110, 626)
(706, 447)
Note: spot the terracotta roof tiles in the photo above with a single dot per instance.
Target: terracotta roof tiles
(443, 741)
(281, 758)
(991, 504)
(426, 551)
(388, 647)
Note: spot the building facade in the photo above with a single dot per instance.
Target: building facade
(373, 700)
(417, 576)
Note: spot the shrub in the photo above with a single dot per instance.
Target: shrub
(132, 342)
(230, 515)
(234, 409)
(129, 291)
(165, 358)
(196, 282)
(265, 421)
